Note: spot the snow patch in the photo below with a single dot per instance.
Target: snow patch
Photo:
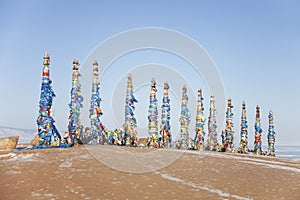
(84, 157)
(265, 163)
(11, 172)
(23, 158)
(35, 194)
(194, 185)
(8, 155)
(274, 166)
(67, 164)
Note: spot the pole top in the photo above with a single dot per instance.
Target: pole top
(244, 105)
(153, 82)
(46, 58)
(75, 64)
(200, 92)
(166, 85)
(184, 90)
(95, 63)
(257, 112)
(229, 101)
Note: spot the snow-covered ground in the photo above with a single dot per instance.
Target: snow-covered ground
(112, 172)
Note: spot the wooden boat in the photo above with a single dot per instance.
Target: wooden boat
(143, 141)
(35, 140)
(9, 143)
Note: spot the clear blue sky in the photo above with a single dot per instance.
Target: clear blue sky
(255, 44)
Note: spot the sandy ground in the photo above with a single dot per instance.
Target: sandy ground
(110, 172)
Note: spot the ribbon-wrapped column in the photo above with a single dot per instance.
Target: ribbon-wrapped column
(243, 148)
(212, 138)
(152, 117)
(75, 128)
(97, 128)
(200, 120)
(165, 118)
(229, 132)
(128, 132)
(185, 116)
(47, 132)
(271, 136)
(258, 130)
